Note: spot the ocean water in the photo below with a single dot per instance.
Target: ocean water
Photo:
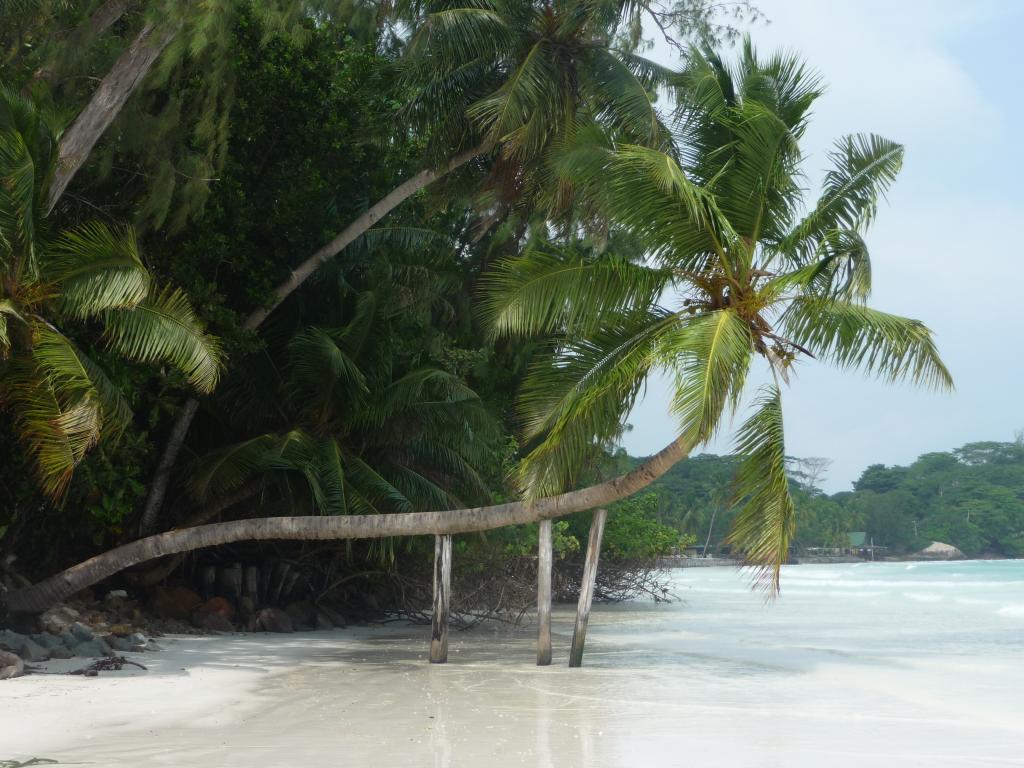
(882, 664)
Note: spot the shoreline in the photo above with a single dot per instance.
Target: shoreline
(882, 664)
(726, 562)
(215, 679)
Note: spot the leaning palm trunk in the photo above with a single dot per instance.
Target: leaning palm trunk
(44, 594)
(119, 83)
(298, 276)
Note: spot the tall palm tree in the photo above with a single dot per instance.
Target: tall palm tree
(60, 400)
(517, 78)
(733, 271)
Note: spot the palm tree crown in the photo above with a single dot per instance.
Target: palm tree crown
(525, 76)
(60, 399)
(732, 269)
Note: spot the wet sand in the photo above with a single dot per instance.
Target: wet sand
(662, 685)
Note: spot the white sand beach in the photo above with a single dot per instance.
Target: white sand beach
(822, 678)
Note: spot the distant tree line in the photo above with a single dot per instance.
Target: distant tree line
(972, 498)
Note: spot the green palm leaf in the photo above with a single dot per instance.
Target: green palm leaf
(864, 166)
(17, 200)
(854, 336)
(165, 328)
(57, 435)
(97, 268)
(74, 376)
(711, 356)
(623, 101)
(8, 312)
(764, 524)
(574, 401)
(229, 468)
(541, 293)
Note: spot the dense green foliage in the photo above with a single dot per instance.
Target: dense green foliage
(614, 217)
(972, 498)
(736, 273)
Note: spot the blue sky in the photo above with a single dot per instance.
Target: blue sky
(944, 79)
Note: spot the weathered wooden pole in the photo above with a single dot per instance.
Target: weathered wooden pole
(442, 593)
(579, 634)
(544, 556)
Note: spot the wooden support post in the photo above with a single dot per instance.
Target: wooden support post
(442, 593)
(544, 556)
(579, 634)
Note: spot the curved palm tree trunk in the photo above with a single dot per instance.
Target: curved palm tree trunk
(40, 596)
(380, 209)
(119, 83)
(162, 569)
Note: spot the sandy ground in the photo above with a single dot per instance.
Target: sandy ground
(718, 681)
(368, 698)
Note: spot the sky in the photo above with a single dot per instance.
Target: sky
(942, 78)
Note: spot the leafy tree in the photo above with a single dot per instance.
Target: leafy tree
(753, 278)
(60, 398)
(510, 77)
(348, 430)
(757, 280)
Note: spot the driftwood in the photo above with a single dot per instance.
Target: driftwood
(109, 664)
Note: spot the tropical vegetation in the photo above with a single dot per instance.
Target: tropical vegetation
(441, 248)
(971, 497)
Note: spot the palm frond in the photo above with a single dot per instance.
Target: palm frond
(165, 328)
(74, 376)
(18, 198)
(674, 219)
(372, 494)
(526, 92)
(541, 293)
(710, 355)
(8, 312)
(622, 100)
(322, 371)
(851, 335)
(864, 166)
(57, 435)
(97, 268)
(452, 36)
(574, 401)
(763, 526)
(229, 468)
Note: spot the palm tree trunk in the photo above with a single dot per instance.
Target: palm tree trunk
(119, 83)
(40, 596)
(380, 209)
(377, 211)
(711, 527)
(161, 570)
(158, 488)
